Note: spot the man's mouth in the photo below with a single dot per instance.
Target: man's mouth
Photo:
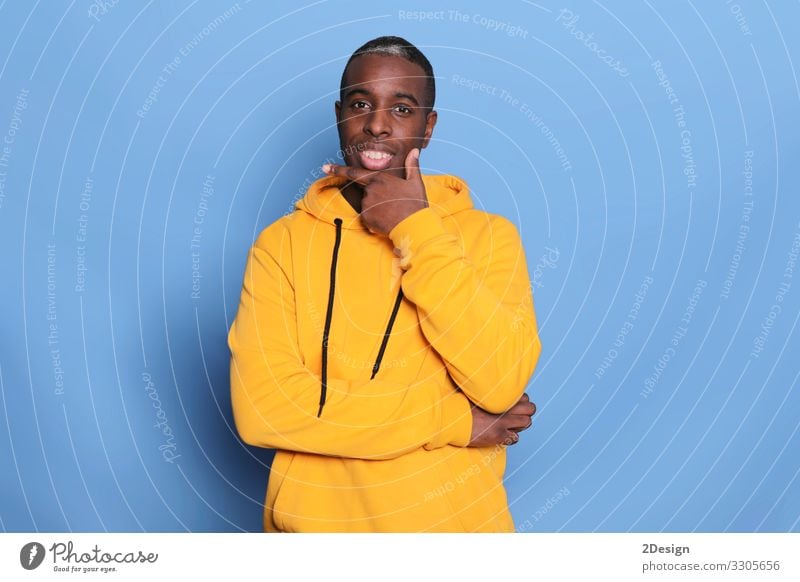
(374, 159)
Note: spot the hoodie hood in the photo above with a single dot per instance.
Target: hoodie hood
(446, 194)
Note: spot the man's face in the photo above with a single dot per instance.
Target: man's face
(382, 116)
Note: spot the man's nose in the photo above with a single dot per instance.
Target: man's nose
(377, 123)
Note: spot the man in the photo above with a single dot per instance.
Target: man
(386, 330)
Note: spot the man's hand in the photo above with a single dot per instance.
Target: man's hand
(492, 429)
(387, 199)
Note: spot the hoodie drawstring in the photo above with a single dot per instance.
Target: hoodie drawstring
(329, 315)
(388, 331)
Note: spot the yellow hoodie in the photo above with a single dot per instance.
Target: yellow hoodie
(357, 357)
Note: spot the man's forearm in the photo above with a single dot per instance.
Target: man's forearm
(477, 315)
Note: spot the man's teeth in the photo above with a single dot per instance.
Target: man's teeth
(376, 155)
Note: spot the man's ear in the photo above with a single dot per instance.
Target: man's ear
(430, 122)
(338, 108)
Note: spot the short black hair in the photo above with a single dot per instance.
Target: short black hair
(394, 46)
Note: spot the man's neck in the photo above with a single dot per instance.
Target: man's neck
(353, 193)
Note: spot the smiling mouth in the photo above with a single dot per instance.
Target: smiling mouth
(375, 160)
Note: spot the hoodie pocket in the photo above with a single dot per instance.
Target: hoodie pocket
(281, 472)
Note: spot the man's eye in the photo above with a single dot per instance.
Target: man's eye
(360, 105)
(403, 109)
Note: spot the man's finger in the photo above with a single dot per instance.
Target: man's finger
(520, 422)
(358, 175)
(412, 165)
(522, 407)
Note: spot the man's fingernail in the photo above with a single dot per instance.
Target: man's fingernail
(326, 168)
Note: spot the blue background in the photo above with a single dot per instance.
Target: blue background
(685, 419)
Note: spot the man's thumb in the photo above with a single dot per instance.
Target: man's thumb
(412, 165)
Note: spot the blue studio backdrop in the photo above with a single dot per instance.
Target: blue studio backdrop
(647, 152)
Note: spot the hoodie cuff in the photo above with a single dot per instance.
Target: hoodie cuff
(456, 428)
(413, 231)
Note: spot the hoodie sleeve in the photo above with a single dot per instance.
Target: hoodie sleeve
(275, 397)
(476, 311)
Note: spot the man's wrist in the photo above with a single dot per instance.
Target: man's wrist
(407, 210)
(413, 231)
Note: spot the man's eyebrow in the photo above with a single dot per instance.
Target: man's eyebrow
(351, 92)
(399, 95)
(407, 96)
